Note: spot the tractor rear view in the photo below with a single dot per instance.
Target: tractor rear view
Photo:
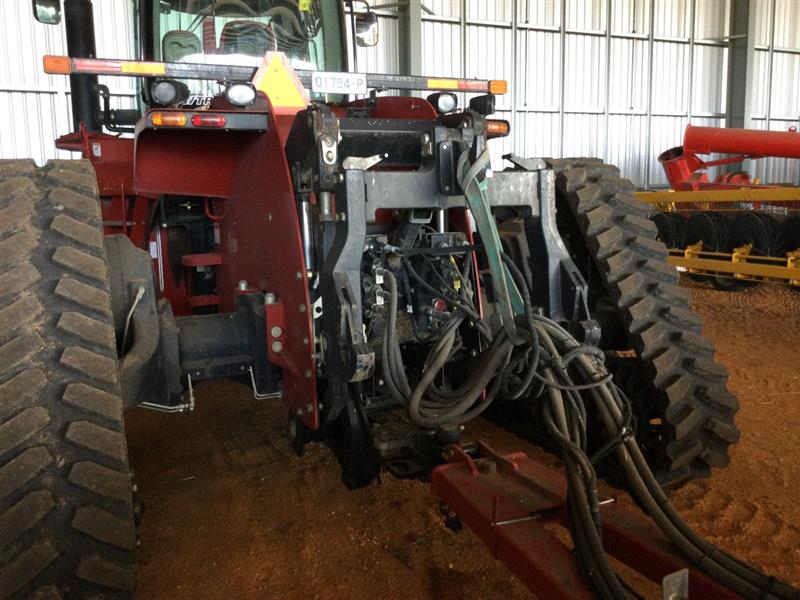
(356, 259)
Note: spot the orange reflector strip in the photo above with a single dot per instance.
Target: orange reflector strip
(497, 128)
(143, 68)
(443, 84)
(168, 119)
(210, 120)
(498, 86)
(57, 65)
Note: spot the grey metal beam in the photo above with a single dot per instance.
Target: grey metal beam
(409, 38)
(741, 59)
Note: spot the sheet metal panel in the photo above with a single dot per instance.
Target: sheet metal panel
(672, 18)
(584, 135)
(785, 92)
(495, 11)
(35, 106)
(585, 73)
(444, 8)
(787, 24)
(712, 19)
(627, 144)
(670, 82)
(631, 17)
(628, 76)
(540, 13)
(538, 74)
(776, 82)
(586, 16)
(540, 134)
(709, 79)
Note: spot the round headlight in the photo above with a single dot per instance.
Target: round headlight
(167, 92)
(241, 94)
(443, 102)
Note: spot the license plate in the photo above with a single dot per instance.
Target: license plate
(338, 83)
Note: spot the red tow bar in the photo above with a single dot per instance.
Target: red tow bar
(507, 500)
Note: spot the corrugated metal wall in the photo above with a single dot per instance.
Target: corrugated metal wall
(35, 107)
(776, 81)
(618, 79)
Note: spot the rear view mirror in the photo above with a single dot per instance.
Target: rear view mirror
(366, 29)
(47, 11)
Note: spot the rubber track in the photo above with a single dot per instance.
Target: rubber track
(66, 520)
(676, 359)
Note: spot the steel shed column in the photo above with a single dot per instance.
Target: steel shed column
(741, 58)
(409, 38)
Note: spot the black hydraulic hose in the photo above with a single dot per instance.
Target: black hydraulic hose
(731, 572)
(588, 525)
(742, 578)
(533, 363)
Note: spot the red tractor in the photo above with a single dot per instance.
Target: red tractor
(269, 218)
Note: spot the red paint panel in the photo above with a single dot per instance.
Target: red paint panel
(189, 162)
(261, 244)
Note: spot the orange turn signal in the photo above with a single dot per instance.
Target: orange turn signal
(57, 65)
(497, 128)
(498, 86)
(168, 119)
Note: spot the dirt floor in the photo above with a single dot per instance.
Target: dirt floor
(231, 512)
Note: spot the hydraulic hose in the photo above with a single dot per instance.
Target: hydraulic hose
(544, 361)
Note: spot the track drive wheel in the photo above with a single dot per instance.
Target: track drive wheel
(684, 410)
(66, 516)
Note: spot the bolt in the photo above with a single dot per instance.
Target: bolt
(277, 346)
(302, 308)
(299, 275)
(300, 412)
(305, 341)
(310, 408)
(444, 146)
(308, 373)
(340, 177)
(243, 285)
(276, 331)
(269, 217)
(270, 298)
(447, 188)
(329, 155)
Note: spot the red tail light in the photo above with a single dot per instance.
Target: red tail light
(209, 120)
